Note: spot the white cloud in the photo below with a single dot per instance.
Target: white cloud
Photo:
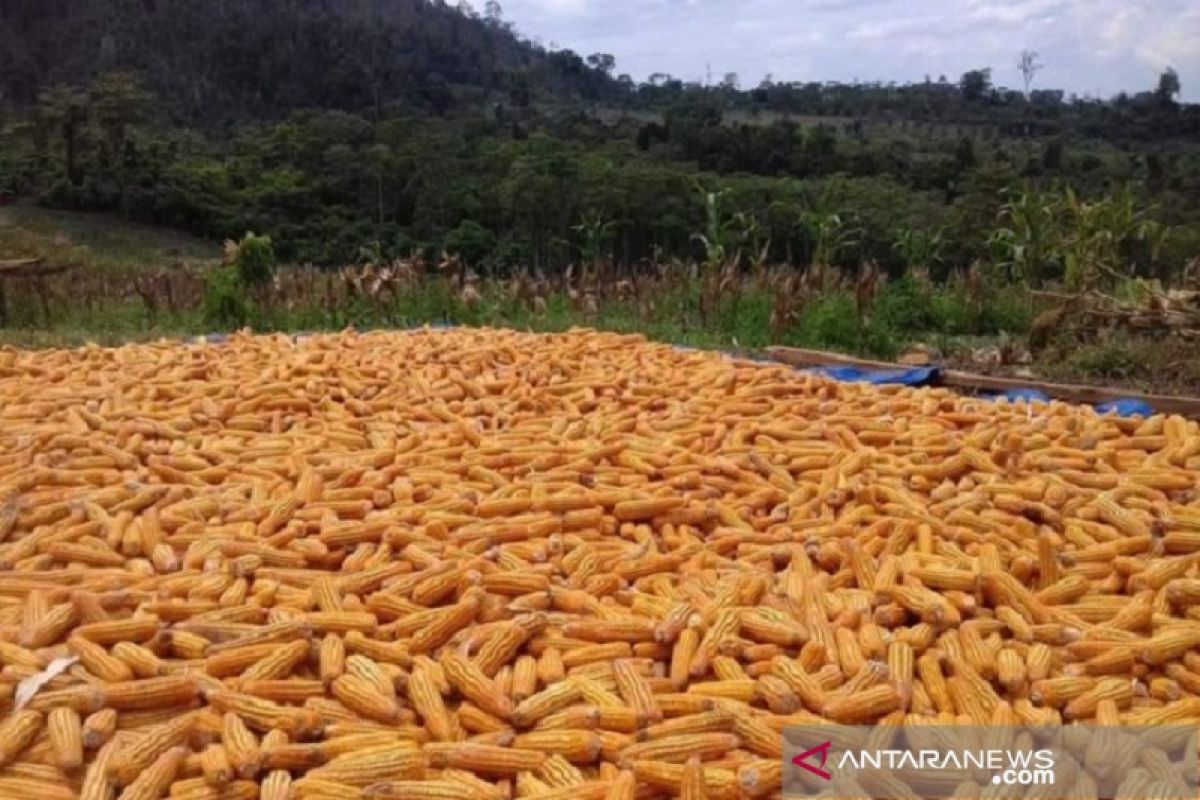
(562, 8)
(1088, 46)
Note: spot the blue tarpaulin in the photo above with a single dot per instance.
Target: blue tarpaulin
(922, 376)
(915, 376)
(1128, 407)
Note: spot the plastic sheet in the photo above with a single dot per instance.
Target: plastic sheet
(921, 376)
(914, 376)
(1128, 407)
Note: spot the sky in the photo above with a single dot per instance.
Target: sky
(1089, 47)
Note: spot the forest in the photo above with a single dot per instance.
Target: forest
(371, 131)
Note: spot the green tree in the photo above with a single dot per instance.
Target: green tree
(602, 62)
(64, 109)
(1168, 86)
(255, 260)
(975, 84)
(471, 241)
(116, 102)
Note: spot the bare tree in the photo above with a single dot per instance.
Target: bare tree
(1029, 65)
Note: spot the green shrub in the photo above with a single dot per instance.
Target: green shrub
(1107, 360)
(905, 306)
(830, 322)
(1007, 310)
(951, 312)
(225, 303)
(255, 260)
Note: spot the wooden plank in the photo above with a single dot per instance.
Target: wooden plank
(1069, 392)
(800, 357)
(1074, 392)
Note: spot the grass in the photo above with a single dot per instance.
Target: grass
(827, 323)
(903, 313)
(96, 241)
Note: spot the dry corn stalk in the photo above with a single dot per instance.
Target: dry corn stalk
(482, 563)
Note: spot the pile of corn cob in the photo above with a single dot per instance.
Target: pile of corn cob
(482, 564)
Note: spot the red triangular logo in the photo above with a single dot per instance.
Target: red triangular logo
(823, 749)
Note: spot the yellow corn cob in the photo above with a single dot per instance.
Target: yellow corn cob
(152, 782)
(279, 663)
(16, 732)
(215, 765)
(25, 788)
(425, 697)
(151, 693)
(677, 749)
(475, 686)
(869, 704)
(635, 690)
(98, 728)
(558, 772)
(721, 784)
(623, 787)
(551, 699)
(331, 657)
(362, 768)
(484, 759)
(577, 746)
(96, 784)
(66, 738)
(481, 789)
(445, 625)
(421, 790)
(1010, 669)
(692, 783)
(240, 745)
(139, 755)
(276, 786)
(234, 661)
(109, 632)
(629, 510)
(142, 661)
(1170, 645)
(760, 778)
(99, 662)
(49, 627)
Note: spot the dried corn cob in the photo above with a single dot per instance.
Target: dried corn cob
(417, 563)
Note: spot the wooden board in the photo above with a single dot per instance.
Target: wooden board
(1069, 392)
(799, 357)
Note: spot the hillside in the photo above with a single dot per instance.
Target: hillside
(375, 129)
(219, 61)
